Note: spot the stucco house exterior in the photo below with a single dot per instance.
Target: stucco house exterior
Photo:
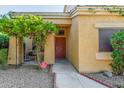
(84, 37)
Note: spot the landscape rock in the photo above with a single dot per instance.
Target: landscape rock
(25, 77)
(108, 74)
(115, 80)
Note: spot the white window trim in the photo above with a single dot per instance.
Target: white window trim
(103, 56)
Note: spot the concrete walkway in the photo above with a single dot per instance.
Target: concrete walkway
(68, 77)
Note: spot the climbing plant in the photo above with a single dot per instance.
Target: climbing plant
(28, 25)
(115, 9)
(38, 29)
(111, 9)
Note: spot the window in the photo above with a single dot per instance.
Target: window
(104, 39)
(61, 32)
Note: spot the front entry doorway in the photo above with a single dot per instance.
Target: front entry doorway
(60, 47)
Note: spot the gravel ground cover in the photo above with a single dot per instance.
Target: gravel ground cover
(25, 77)
(116, 81)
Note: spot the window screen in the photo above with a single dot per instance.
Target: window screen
(104, 39)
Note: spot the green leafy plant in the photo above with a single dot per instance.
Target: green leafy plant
(3, 58)
(4, 41)
(117, 41)
(28, 25)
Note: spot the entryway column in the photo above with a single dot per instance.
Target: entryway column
(49, 52)
(15, 53)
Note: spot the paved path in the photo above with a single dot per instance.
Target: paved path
(68, 77)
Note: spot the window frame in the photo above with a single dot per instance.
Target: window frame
(106, 55)
(101, 47)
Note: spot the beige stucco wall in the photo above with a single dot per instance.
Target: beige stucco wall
(72, 43)
(60, 21)
(90, 59)
(28, 45)
(12, 51)
(15, 55)
(49, 54)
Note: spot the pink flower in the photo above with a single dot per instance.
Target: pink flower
(43, 64)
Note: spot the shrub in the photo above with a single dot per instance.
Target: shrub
(117, 41)
(4, 41)
(3, 58)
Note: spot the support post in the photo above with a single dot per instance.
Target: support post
(15, 54)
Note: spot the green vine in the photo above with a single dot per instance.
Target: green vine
(115, 9)
(111, 9)
(29, 25)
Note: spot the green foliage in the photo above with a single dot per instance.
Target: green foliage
(3, 59)
(28, 25)
(4, 41)
(115, 9)
(118, 68)
(3, 56)
(111, 9)
(117, 41)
